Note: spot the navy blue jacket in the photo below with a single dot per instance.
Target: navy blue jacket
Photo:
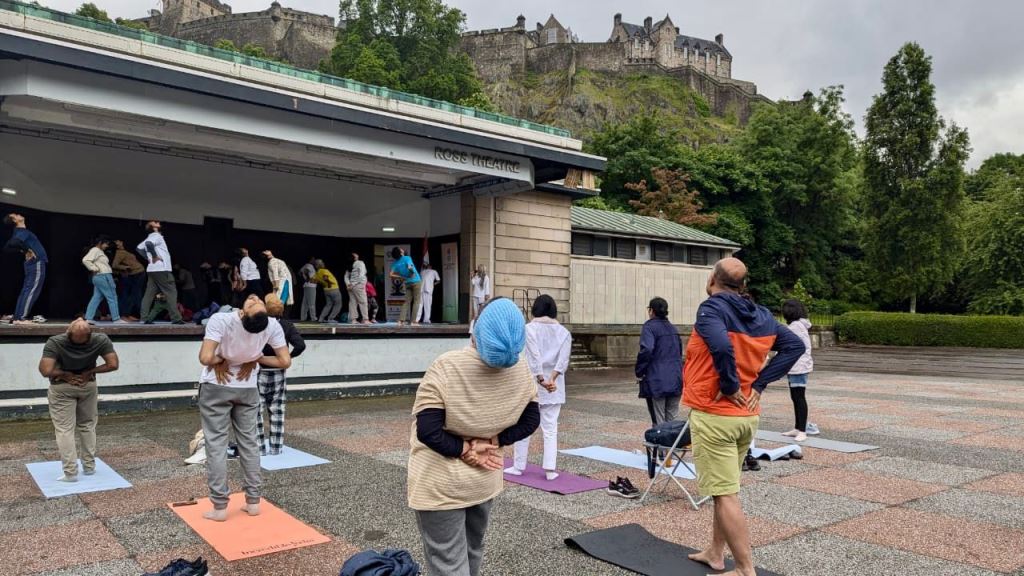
(659, 365)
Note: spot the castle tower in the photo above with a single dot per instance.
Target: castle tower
(177, 12)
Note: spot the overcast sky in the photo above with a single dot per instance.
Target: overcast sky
(788, 46)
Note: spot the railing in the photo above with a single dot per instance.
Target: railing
(523, 298)
(276, 67)
(819, 320)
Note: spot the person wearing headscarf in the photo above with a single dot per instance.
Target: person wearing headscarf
(470, 403)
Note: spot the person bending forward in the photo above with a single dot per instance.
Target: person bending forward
(231, 355)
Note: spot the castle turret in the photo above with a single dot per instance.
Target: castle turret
(648, 23)
(618, 19)
(720, 39)
(521, 22)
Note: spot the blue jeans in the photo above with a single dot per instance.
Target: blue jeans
(103, 289)
(35, 276)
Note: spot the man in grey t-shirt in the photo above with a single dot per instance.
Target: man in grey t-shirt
(69, 361)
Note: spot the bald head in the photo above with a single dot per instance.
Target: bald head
(79, 331)
(729, 275)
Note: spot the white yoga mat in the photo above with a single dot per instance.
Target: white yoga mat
(622, 458)
(290, 458)
(815, 442)
(46, 474)
(772, 454)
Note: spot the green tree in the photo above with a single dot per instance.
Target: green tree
(633, 149)
(991, 173)
(993, 266)
(806, 152)
(913, 170)
(670, 199)
(90, 10)
(225, 44)
(131, 24)
(409, 45)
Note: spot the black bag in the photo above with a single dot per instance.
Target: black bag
(665, 434)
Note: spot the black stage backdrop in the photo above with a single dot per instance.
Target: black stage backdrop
(67, 237)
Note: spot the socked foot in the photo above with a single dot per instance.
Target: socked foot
(251, 509)
(713, 561)
(217, 515)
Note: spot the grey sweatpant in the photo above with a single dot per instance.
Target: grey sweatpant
(453, 540)
(333, 305)
(663, 409)
(161, 282)
(221, 409)
(308, 304)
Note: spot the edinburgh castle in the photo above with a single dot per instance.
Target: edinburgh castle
(304, 39)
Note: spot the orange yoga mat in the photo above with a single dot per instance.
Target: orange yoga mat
(243, 536)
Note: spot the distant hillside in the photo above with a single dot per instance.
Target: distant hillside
(586, 100)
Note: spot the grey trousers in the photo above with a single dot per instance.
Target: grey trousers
(453, 540)
(161, 282)
(333, 305)
(73, 410)
(222, 409)
(663, 409)
(308, 303)
(357, 303)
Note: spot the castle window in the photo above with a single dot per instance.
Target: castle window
(552, 36)
(718, 60)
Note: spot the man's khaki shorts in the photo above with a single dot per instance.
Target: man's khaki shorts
(719, 445)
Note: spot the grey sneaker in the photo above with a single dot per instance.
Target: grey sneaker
(812, 429)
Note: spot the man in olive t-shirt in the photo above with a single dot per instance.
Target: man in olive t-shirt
(69, 361)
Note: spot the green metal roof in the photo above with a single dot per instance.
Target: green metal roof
(645, 226)
(270, 66)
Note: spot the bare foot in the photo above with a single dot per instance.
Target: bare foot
(715, 562)
(251, 509)
(791, 433)
(734, 573)
(216, 515)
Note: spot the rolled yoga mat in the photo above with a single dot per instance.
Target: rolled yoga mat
(634, 548)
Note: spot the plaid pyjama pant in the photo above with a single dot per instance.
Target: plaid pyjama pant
(272, 398)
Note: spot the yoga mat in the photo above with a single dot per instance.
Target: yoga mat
(46, 473)
(772, 454)
(565, 484)
(816, 442)
(243, 536)
(290, 458)
(622, 458)
(633, 548)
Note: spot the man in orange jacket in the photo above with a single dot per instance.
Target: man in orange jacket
(722, 382)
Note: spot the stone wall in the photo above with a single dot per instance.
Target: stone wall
(550, 58)
(176, 12)
(498, 55)
(297, 37)
(532, 233)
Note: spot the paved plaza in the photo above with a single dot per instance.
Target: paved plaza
(944, 496)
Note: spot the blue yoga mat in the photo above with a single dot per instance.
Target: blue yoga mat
(621, 458)
(46, 473)
(290, 458)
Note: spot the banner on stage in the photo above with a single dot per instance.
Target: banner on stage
(450, 281)
(394, 288)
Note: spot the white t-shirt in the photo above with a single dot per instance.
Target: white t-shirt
(248, 269)
(308, 272)
(430, 277)
(238, 346)
(481, 287)
(160, 247)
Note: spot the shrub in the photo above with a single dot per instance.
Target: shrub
(901, 329)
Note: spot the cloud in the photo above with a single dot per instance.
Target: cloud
(789, 47)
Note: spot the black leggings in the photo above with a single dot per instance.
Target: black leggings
(798, 395)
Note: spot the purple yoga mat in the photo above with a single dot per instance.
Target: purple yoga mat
(566, 483)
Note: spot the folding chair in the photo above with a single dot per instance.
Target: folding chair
(663, 474)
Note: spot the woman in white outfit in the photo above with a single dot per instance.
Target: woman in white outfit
(548, 347)
(481, 283)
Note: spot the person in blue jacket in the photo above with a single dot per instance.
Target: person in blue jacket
(659, 365)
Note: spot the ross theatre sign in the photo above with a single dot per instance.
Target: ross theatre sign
(465, 158)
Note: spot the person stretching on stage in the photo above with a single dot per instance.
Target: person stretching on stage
(548, 347)
(69, 362)
(280, 280)
(24, 241)
(103, 288)
(229, 398)
(250, 273)
(158, 272)
(355, 282)
(404, 270)
(271, 381)
(429, 278)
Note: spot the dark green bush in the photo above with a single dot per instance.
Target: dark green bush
(900, 329)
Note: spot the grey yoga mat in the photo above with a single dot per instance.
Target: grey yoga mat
(815, 442)
(633, 548)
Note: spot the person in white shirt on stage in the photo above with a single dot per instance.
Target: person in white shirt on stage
(250, 273)
(355, 282)
(280, 279)
(481, 284)
(307, 272)
(430, 279)
(229, 398)
(159, 277)
(548, 347)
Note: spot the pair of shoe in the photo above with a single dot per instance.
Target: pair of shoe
(623, 488)
(750, 464)
(182, 567)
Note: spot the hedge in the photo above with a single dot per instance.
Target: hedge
(901, 329)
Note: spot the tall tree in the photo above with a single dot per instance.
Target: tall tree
(90, 10)
(409, 45)
(913, 170)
